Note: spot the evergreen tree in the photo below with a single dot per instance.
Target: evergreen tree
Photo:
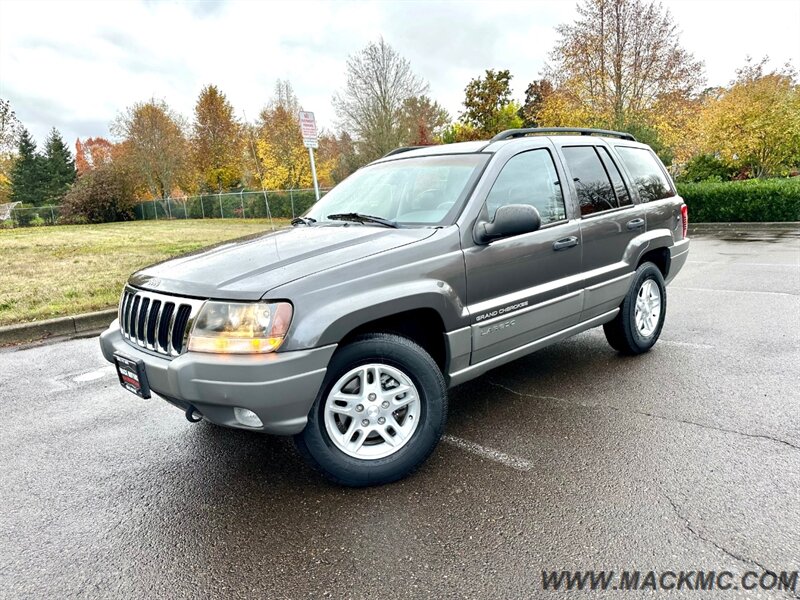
(27, 181)
(59, 168)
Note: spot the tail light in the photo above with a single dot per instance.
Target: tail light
(685, 220)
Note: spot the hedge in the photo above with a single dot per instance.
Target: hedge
(736, 201)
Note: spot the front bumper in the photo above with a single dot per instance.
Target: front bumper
(279, 387)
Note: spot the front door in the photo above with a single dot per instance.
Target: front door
(524, 287)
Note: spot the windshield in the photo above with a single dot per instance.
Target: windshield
(414, 191)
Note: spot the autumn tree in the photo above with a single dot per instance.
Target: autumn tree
(158, 149)
(92, 153)
(217, 141)
(422, 121)
(284, 161)
(339, 152)
(754, 125)
(535, 95)
(621, 63)
(371, 105)
(9, 139)
(58, 168)
(27, 174)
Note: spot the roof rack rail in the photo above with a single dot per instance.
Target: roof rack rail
(514, 133)
(400, 150)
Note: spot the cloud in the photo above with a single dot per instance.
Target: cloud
(84, 62)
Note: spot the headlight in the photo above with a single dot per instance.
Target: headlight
(239, 327)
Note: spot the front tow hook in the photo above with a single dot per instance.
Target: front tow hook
(193, 415)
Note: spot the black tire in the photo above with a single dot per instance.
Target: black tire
(315, 444)
(622, 333)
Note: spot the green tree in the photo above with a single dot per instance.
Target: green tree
(28, 184)
(58, 167)
(488, 105)
(217, 141)
(460, 132)
(704, 167)
(535, 95)
(103, 194)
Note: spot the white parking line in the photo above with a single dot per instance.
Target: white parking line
(749, 264)
(92, 375)
(694, 289)
(686, 344)
(514, 462)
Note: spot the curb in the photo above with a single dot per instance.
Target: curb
(749, 225)
(61, 326)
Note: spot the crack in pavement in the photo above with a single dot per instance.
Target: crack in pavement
(700, 536)
(651, 415)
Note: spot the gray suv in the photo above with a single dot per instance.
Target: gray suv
(419, 272)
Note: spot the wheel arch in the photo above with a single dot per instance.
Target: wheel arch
(422, 311)
(660, 257)
(423, 325)
(653, 246)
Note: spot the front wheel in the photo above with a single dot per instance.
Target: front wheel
(379, 413)
(637, 326)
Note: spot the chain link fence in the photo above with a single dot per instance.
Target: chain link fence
(278, 204)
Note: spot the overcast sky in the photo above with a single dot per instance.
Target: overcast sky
(75, 65)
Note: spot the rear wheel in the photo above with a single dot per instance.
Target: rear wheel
(638, 325)
(379, 414)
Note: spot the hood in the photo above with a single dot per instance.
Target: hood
(247, 268)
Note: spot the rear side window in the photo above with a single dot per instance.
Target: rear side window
(623, 197)
(647, 174)
(595, 193)
(529, 178)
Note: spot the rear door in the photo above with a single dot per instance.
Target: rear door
(524, 287)
(610, 220)
(654, 186)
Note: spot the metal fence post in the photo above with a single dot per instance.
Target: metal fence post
(291, 199)
(241, 201)
(221, 212)
(52, 216)
(202, 208)
(169, 208)
(155, 209)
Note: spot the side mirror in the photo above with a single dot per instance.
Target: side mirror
(511, 219)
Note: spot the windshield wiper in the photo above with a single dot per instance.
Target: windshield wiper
(362, 218)
(303, 221)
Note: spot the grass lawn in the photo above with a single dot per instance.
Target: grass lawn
(66, 270)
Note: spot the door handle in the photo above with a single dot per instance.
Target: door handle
(567, 242)
(636, 224)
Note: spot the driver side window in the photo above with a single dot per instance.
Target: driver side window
(529, 178)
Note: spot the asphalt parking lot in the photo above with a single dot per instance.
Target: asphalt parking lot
(575, 458)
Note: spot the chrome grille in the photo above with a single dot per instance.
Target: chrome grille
(157, 322)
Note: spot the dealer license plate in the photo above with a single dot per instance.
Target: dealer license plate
(132, 375)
